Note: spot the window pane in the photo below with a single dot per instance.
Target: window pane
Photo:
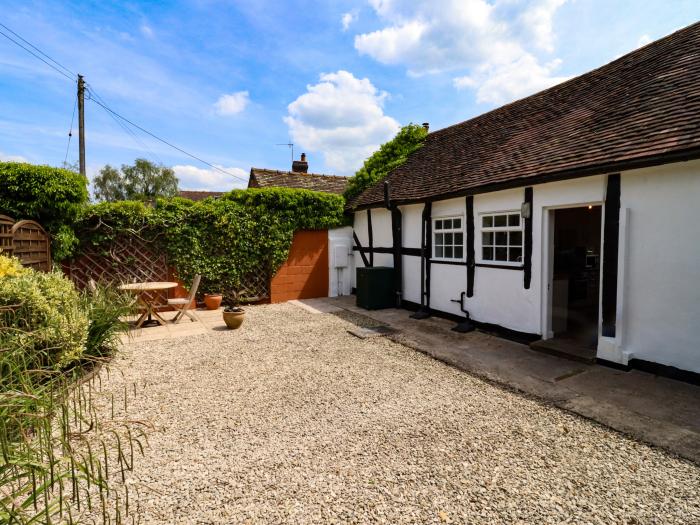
(515, 254)
(448, 239)
(439, 238)
(448, 252)
(501, 254)
(438, 251)
(438, 225)
(459, 252)
(516, 238)
(487, 221)
(501, 238)
(487, 254)
(456, 223)
(487, 238)
(513, 219)
(447, 224)
(499, 220)
(458, 239)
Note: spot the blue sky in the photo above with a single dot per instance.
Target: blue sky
(228, 80)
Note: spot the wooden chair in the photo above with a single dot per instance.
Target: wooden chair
(184, 304)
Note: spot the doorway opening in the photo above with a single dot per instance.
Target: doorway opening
(574, 282)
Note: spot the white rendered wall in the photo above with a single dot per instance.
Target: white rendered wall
(659, 267)
(341, 273)
(661, 318)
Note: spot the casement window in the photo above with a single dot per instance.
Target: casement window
(448, 238)
(502, 238)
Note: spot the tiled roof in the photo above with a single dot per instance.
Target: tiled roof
(641, 109)
(262, 178)
(199, 195)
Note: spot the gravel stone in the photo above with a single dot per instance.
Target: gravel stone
(291, 419)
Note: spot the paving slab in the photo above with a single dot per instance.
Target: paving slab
(657, 410)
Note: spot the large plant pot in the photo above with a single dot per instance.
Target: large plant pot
(213, 301)
(234, 319)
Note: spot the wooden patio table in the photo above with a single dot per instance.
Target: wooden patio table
(148, 303)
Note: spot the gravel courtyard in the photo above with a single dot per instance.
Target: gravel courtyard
(292, 420)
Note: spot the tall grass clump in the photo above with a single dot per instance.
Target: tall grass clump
(56, 455)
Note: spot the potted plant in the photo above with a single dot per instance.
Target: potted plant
(234, 314)
(213, 300)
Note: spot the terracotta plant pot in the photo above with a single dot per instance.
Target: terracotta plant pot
(233, 317)
(213, 301)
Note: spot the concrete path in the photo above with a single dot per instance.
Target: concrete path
(653, 409)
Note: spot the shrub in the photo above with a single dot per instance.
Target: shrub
(51, 196)
(390, 155)
(106, 309)
(42, 316)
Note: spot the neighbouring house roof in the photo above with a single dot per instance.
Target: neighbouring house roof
(640, 110)
(199, 195)
(264, 178)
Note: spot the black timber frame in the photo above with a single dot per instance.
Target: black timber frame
(611, 241)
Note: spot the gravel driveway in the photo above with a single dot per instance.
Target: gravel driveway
(293, 420)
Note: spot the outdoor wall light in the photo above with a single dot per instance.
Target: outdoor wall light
(526, 210)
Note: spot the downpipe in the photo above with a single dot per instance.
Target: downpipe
(466, 325)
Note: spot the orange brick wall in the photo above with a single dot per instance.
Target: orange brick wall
(305, 273)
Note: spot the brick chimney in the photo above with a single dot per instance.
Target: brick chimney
(301, 166)
(426, 125)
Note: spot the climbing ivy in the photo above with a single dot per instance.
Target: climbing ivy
(390, 155)
(223, 239)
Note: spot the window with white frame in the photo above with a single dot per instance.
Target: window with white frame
(502, 238)
(448, 238)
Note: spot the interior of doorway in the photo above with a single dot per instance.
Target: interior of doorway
(576, 275)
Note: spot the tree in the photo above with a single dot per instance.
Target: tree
(389, 156)
(144, 180)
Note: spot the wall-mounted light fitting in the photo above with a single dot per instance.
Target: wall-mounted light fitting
(526, 210)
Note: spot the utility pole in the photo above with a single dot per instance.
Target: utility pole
(81, 122)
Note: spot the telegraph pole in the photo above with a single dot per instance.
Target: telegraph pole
(81, 122)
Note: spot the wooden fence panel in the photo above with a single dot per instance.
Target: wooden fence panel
(32, 245)
(6, 244)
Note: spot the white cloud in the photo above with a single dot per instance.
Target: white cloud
(233, 103)
(146, 30)
(492, 44)
(348, 19)
(342, 117)
(643, 40)
(12, 158)
(209, 179)
(500, 84)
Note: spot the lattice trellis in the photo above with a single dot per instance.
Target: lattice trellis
(133, 259)
(128, 259)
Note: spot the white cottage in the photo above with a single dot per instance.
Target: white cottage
(567, 217)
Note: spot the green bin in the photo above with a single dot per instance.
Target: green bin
(375, 288)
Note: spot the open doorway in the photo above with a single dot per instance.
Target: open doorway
(576, 276)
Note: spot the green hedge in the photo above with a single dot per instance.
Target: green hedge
(53, 197)
(224, 240)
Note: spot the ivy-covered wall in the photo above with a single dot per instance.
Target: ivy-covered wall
(223, 239)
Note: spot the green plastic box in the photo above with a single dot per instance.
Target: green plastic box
(375, 288)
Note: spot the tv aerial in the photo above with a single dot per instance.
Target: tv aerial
(290, 145)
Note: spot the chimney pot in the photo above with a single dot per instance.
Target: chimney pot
(300, 166)
(426, 125)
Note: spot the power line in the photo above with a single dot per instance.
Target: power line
(98, 100)
(127, 129)
(168, 143)
(37, 56)
(39, 50)
(70, 132)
